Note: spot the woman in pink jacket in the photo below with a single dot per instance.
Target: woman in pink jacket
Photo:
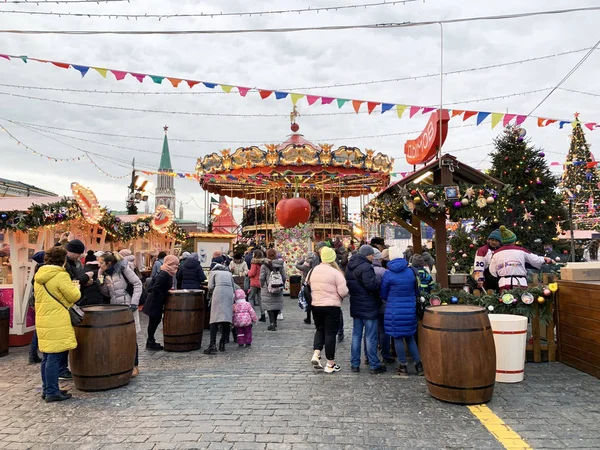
(328, 288)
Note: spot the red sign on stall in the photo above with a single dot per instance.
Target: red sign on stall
(424, 148)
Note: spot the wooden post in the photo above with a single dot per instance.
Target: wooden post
(535, 331)
(441, 261)
(550, 336)
(416, 235)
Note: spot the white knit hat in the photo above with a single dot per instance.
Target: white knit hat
(395, 253)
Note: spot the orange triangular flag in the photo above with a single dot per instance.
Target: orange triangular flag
(457, 112)
(540, 122)
(356, 104)
(174, 81)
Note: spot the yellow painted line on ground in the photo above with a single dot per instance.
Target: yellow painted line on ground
(502, 432)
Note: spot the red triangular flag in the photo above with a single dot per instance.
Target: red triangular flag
(191, 83)
(61, 65)
(426, 110)
(457, 112)
(591, 125)
(356, 104)
(312, 98)
(264, 94)
(414, 110)
(469, 114)
(118, 74)
(372, 105)
(508, 118)
(549, 121)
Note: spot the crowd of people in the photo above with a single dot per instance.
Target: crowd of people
(382, 284)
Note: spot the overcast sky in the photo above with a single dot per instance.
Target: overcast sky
(280, 61)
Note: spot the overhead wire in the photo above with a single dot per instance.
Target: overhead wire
(567, 76)
(43, 88)
(207, 15)
(378, 26)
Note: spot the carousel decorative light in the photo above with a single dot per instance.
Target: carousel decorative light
(162, 219)
(87, 201)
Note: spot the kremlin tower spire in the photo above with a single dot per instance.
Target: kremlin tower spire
(165, 189)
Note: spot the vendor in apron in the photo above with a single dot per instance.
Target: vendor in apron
(508, 262)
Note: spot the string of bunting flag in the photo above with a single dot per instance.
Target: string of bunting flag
(357, 105)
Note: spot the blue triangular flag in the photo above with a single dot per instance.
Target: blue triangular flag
(280, 95)
(563, 123)
(481, 117)
(386, 107)
(209, 85)
(82, 69)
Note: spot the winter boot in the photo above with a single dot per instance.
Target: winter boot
(34, 359)
(402, 370)
(419, 368)
(211, 350)
(222, 345)
(262, 318)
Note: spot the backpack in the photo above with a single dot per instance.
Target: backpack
(275, 281)
(420, 307)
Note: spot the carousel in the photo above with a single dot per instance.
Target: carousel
(295, 182)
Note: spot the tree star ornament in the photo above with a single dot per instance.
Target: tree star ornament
(470, 193)
(527, 216)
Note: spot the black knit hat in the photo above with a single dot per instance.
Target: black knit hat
(90, 256)
(75, 246)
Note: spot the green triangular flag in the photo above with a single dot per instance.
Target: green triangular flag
(157, 79)
(213, 200)
(341, 101)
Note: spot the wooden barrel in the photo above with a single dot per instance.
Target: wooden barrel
(4, 318)
(184, 320)
(106, 344)
(458, 352)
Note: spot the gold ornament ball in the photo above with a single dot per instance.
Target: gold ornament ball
(433, 210)
(464, 201)
(417, 199)
(541, 299)
(490, 200)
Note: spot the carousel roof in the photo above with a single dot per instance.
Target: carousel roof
(250, 171)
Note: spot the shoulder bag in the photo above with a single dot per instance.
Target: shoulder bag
(75, 311)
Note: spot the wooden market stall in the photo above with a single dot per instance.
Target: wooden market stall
(445, 173)
(30, 224)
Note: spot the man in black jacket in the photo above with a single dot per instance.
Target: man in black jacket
(364, 308)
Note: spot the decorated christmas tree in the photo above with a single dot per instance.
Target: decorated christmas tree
(462, 251)
(531, 206)
(580, 180)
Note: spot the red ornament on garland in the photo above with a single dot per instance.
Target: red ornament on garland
(295, 127)
(292, 211)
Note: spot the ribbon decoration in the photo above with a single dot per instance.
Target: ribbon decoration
(496, 117)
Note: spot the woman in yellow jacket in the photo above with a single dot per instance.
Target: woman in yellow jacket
(55, 293)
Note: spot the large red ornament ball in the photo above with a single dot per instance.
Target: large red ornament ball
(292, 211)
(471, 246)
(295, 127)
(413, 192)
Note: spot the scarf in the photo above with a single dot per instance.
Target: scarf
(170, 265)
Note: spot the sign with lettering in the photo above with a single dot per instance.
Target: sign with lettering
(425, 147)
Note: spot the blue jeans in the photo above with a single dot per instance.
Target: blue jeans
(370, 326)
(63, 366)
(384, 339)
(33, 350)
(49, 370)
(412, 348)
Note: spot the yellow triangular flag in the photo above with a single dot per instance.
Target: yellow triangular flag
(400, 109)
(226, 88)
(296, 97)
(496, 117)
(101, 71)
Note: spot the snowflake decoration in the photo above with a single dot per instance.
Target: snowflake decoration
(470, 193)
(482, 224)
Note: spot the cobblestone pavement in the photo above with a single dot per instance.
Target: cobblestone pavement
(269, 397)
